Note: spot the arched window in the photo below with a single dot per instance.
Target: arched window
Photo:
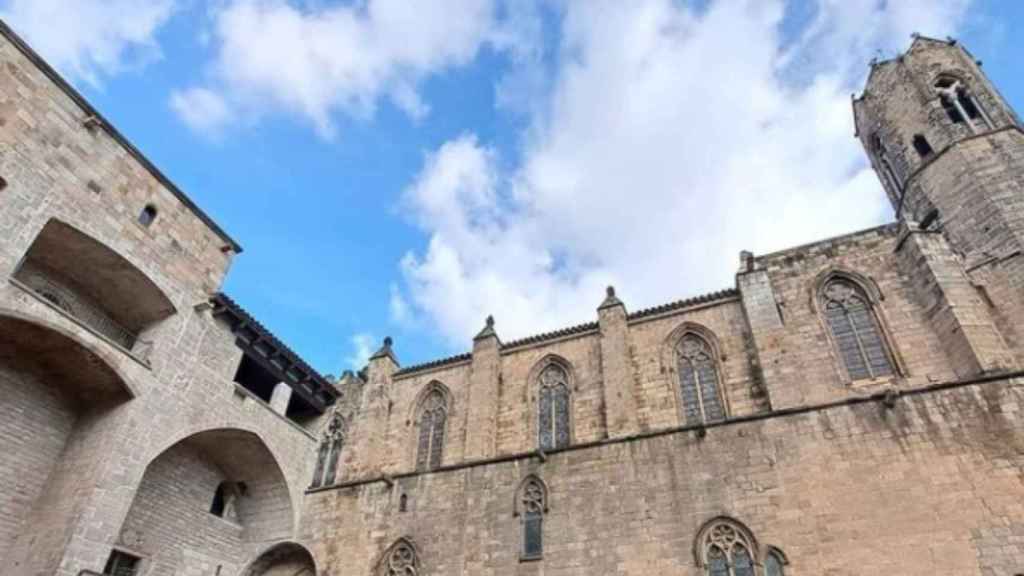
(726, 549)
(329, 453)
(531, 505)
(885, 164)
(553, 408)
(225, 500)
(148, 215)
(698, 380)
(921, 145)
(959, 104)
(433, 416)
(855, 330)
(774, 564)
(400, 560)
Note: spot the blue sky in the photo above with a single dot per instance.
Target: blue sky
(406, 168)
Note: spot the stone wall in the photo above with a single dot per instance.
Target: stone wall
(32, 438)
(929, 486)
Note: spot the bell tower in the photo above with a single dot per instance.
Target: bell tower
(949, 151)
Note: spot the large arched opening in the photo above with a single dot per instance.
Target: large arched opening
(57, 393)
(205, 503)
(284, 559)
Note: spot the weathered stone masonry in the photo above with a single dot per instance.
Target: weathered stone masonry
(852, 406)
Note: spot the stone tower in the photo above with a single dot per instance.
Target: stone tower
(949, 151)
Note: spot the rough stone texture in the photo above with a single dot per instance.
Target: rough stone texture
(930, 486)
(107, 446)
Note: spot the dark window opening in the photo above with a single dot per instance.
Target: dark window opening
(121, 564)
(945, 82)
(3, 184)
(967, 103)
(924, 149)
(148, 215)
(403, 503)
(951, 110)
(219, 501)
(255, 378)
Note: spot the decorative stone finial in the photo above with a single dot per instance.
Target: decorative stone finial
(385, 351)
(488, 330)
(609, 299)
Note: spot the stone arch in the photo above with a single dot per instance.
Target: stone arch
(93, 283)
(54, 376)
(402, 558)
(670, 363)
(875, 297)
(55, 348)
(533, 387)
(822, 278)
(706, 537)
(282, 559)
(529, 479)
(170, 513)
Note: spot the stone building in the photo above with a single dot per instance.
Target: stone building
(852, 406)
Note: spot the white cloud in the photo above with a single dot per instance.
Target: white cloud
(362, 348)
(88, 39)
(201, 109)
(669, 141)
(319, 60)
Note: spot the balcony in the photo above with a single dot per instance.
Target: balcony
(93, 285)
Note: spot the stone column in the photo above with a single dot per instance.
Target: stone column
(374, 454)
(482, 403)
(953, 306)
(766, 332)
(616, 373)
(280, 397)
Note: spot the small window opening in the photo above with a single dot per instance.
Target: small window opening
(3, 184)
(924, 149)
(148, 215)
(121, 564)
(219, 501)
(403, 503)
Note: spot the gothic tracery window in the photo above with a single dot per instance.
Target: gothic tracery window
(855, 330)
(698, 381)
(727, 551)
(553, 408)
(433, 417)
(329, 453)
(400, 560)
(532, 506)
(959, 104)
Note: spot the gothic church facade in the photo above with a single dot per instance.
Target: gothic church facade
(852, 406)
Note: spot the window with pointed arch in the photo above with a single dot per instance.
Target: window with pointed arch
(329, 453)
(698, 380)
(531, 506)
(727, 549)
(960, 105)
(433, 416)
(400, 560)
(855, 330)
(774, 563)
(553, 420)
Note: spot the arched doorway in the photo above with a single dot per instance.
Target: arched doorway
(57, 392)
(204, 503)
(284, 559)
